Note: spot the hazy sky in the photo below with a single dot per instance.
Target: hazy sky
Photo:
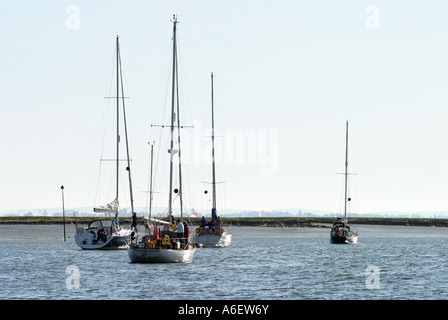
(288, 76)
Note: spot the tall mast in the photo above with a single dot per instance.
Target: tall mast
(118, 123)
(128, 168)
(150, 182)
(178, 146)
(173, 90)
(346, 170)
(214, 215)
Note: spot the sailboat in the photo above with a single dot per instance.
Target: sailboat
(166, 246)
(109, 234)
(341, 231)
(213, 234)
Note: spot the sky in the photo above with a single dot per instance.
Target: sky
(288, 75)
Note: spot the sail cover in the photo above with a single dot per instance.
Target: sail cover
(108, 208)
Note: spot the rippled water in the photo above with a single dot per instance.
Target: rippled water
(262, 263)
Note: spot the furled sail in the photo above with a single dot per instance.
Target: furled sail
(108, 208)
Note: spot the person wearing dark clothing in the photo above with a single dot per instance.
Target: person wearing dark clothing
(186, 235)
(203, 222)
(134, 221)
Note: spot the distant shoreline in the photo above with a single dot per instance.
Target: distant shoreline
(285, 222)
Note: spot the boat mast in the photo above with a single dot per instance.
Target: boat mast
(128, 168)
(178, 145)
(118, 124)
(173, 90)
(346, 169)
(150, 182)
(214, 215)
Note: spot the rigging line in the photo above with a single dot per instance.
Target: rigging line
(184, 82)
(126, 135)
(159, 174)
(335, 195)
(161, 166)
(149, 182)
(103, 195)
(106, 109)
(158, 165)
(123, 195)
(173, 84)
(189, 174)
(104, 121)
(163, 81)
(117, 124)
(178, 141)
(97, 185)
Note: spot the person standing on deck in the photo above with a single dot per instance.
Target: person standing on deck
(180, 229)
(134, 221)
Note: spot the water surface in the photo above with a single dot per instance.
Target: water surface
(262, 263)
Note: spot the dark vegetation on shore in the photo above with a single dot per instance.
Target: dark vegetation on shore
(311, 222)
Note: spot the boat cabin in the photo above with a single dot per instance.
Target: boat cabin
(98, 224)
(340, 228)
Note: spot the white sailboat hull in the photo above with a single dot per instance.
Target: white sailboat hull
(119, 241)
(352, 239)
(211, 241)
(156, 255)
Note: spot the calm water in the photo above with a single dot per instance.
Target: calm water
(262, 263)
